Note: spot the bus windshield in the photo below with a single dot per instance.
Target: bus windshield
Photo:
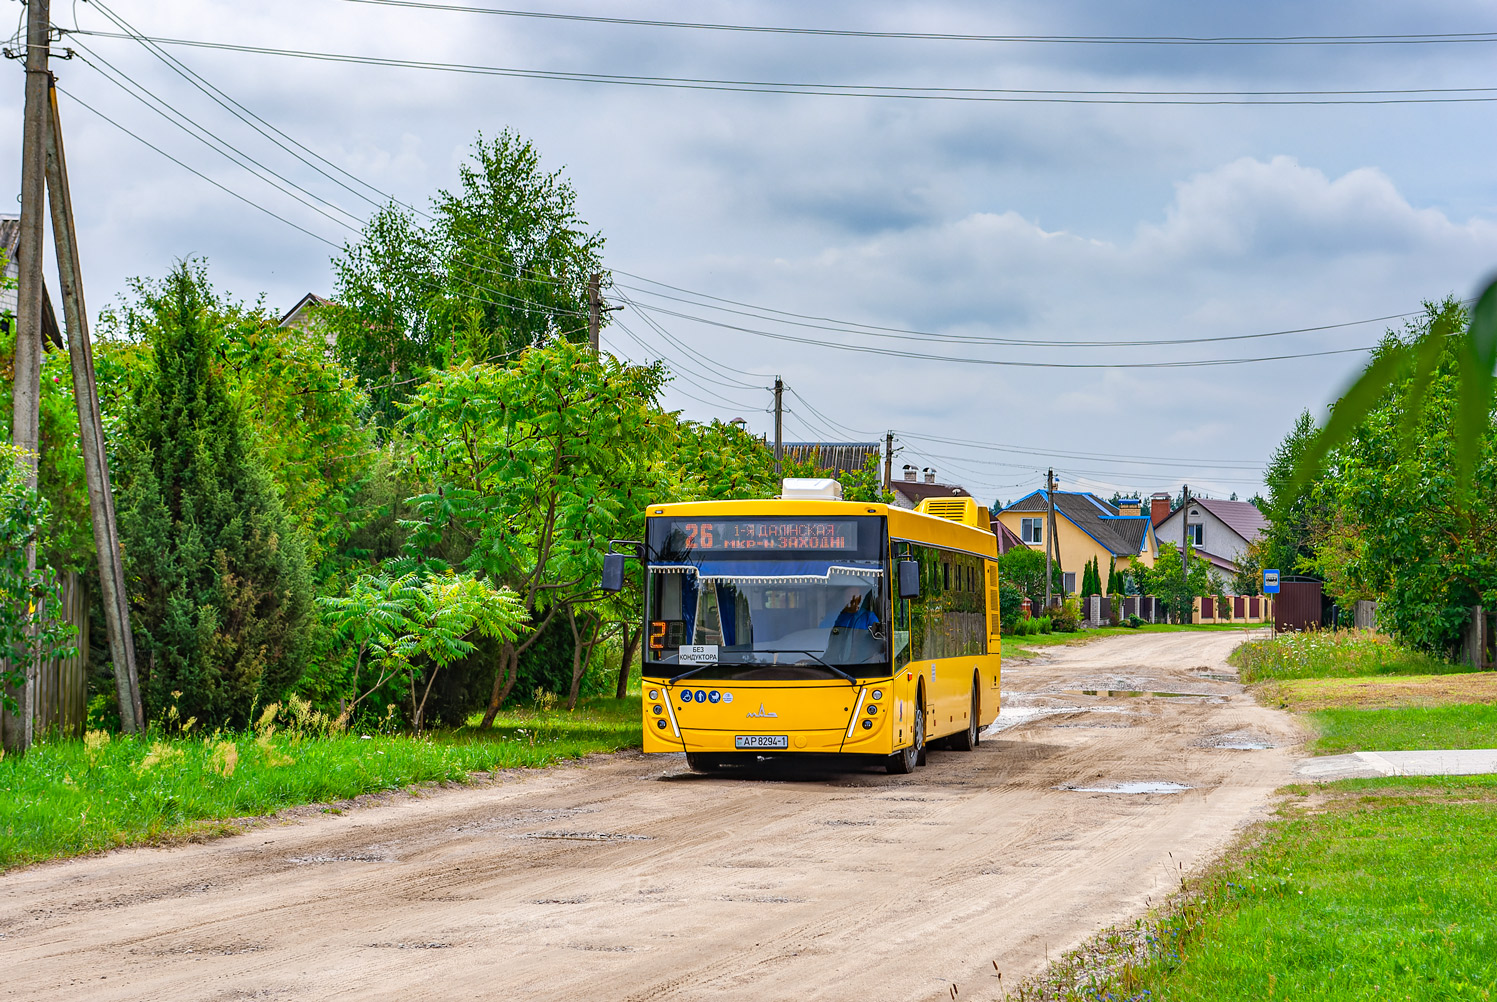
(803, 599)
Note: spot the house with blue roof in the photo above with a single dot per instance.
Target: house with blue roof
(1085, 527)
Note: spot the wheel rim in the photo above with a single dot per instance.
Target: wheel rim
(919, 727)
(972, 726)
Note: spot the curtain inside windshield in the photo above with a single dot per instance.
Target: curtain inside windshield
(771, 612)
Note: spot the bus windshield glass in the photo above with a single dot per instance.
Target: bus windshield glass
(768, 598)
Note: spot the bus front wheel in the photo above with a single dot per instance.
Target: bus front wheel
(697, 762)
(904, 761)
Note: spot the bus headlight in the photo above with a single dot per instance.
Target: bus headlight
(867, 724)
(658, 709)
(877, 694)
(660, 724)
(655, 694)
(872, 710)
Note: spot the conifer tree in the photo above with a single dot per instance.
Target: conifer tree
(219, 588)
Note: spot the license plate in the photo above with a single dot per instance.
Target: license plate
(761, 741)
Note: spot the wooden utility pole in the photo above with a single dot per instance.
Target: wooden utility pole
(594, 310)
(26, 394)
(888, 461)
(779, 445)
(91, 431)
(1182, 616)
(1049, 535)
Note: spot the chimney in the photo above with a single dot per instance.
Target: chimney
(1130, 506)
(930, 474)
(909, 472)
(1159, 508)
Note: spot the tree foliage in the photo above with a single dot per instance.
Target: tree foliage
(29, 598)
(218, 585)
(501, 264)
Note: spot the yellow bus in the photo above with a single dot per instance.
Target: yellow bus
(807, 624)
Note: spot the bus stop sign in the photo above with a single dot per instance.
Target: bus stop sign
(1270, 582)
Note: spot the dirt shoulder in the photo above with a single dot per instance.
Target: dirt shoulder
(629, 878)
(1309, 694)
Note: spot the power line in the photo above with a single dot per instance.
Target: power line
(1390, 39)
(1242, 464)
(999, 95)
(897, 353)
(907, 334)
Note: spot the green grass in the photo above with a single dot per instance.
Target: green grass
(1387, 894)
(1405, 728)
(1024, 647)
(1332, 654)
(1368, 889)
(69, 797)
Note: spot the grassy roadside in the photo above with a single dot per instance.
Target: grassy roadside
(1028, 647)
(1360, 889)
(1365, 889)
(70, 797)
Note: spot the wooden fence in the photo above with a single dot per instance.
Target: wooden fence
(60, 700)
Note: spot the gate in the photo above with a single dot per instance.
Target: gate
(1297, 606)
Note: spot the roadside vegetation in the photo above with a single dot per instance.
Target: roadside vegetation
(1331, 654)
(1364, 889)
(65, 798)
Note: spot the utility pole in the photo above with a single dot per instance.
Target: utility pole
(1049, 535)
(594, 311)
(888, 461)
(26, 394)
(91, 431)
(1184, 548)
(779, 445)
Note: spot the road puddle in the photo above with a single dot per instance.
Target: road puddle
(1010, 717)
(1138, 692)
(1131, 787)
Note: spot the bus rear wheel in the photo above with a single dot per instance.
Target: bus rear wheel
(968, 739)
(904, 761)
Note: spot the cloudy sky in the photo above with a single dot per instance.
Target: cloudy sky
(990, 232)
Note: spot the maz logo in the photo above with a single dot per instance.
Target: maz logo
(762, 713)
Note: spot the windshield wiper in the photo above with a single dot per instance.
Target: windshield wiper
(824, 663)
(688, 674)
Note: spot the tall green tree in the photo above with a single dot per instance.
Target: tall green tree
(535, 465)
(217, 578)
(499, 264)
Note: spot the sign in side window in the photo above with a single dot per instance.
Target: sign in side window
(1029, 530)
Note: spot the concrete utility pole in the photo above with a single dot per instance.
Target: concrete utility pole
(594, 311)
(91, 432)
(1184, 533)
(779, 445)
(26, 394)
(888, 461)
(1049, 535)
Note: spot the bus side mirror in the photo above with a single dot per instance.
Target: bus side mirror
(909, 579)
(613, 571)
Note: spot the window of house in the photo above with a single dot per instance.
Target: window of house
(1196, 534)
(1030, 531)
(1069, 582)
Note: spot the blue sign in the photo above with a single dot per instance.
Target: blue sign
(1270, 582)
(714, 696)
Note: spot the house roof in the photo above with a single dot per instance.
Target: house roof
(915, 491)
(293, 317)
(844, 457)
(1242, 517)
(1007, 538)
(1120, 535)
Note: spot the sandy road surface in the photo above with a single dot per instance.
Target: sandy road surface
(629, 878)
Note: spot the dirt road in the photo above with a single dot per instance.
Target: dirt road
(630, 878)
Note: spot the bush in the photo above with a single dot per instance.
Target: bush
(1067, 619)
(1134, 622)
(1332, 654)
(1043, 624)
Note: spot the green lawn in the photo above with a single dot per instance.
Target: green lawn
(1025, 647)
(1405, 728)
(1383, 891)
(69, 797)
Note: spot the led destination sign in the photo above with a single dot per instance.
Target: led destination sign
(726, 535)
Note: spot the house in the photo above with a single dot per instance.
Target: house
(1219, 531)
(300, 315)
(10, 242)
(909, 492)
(1086, 527)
